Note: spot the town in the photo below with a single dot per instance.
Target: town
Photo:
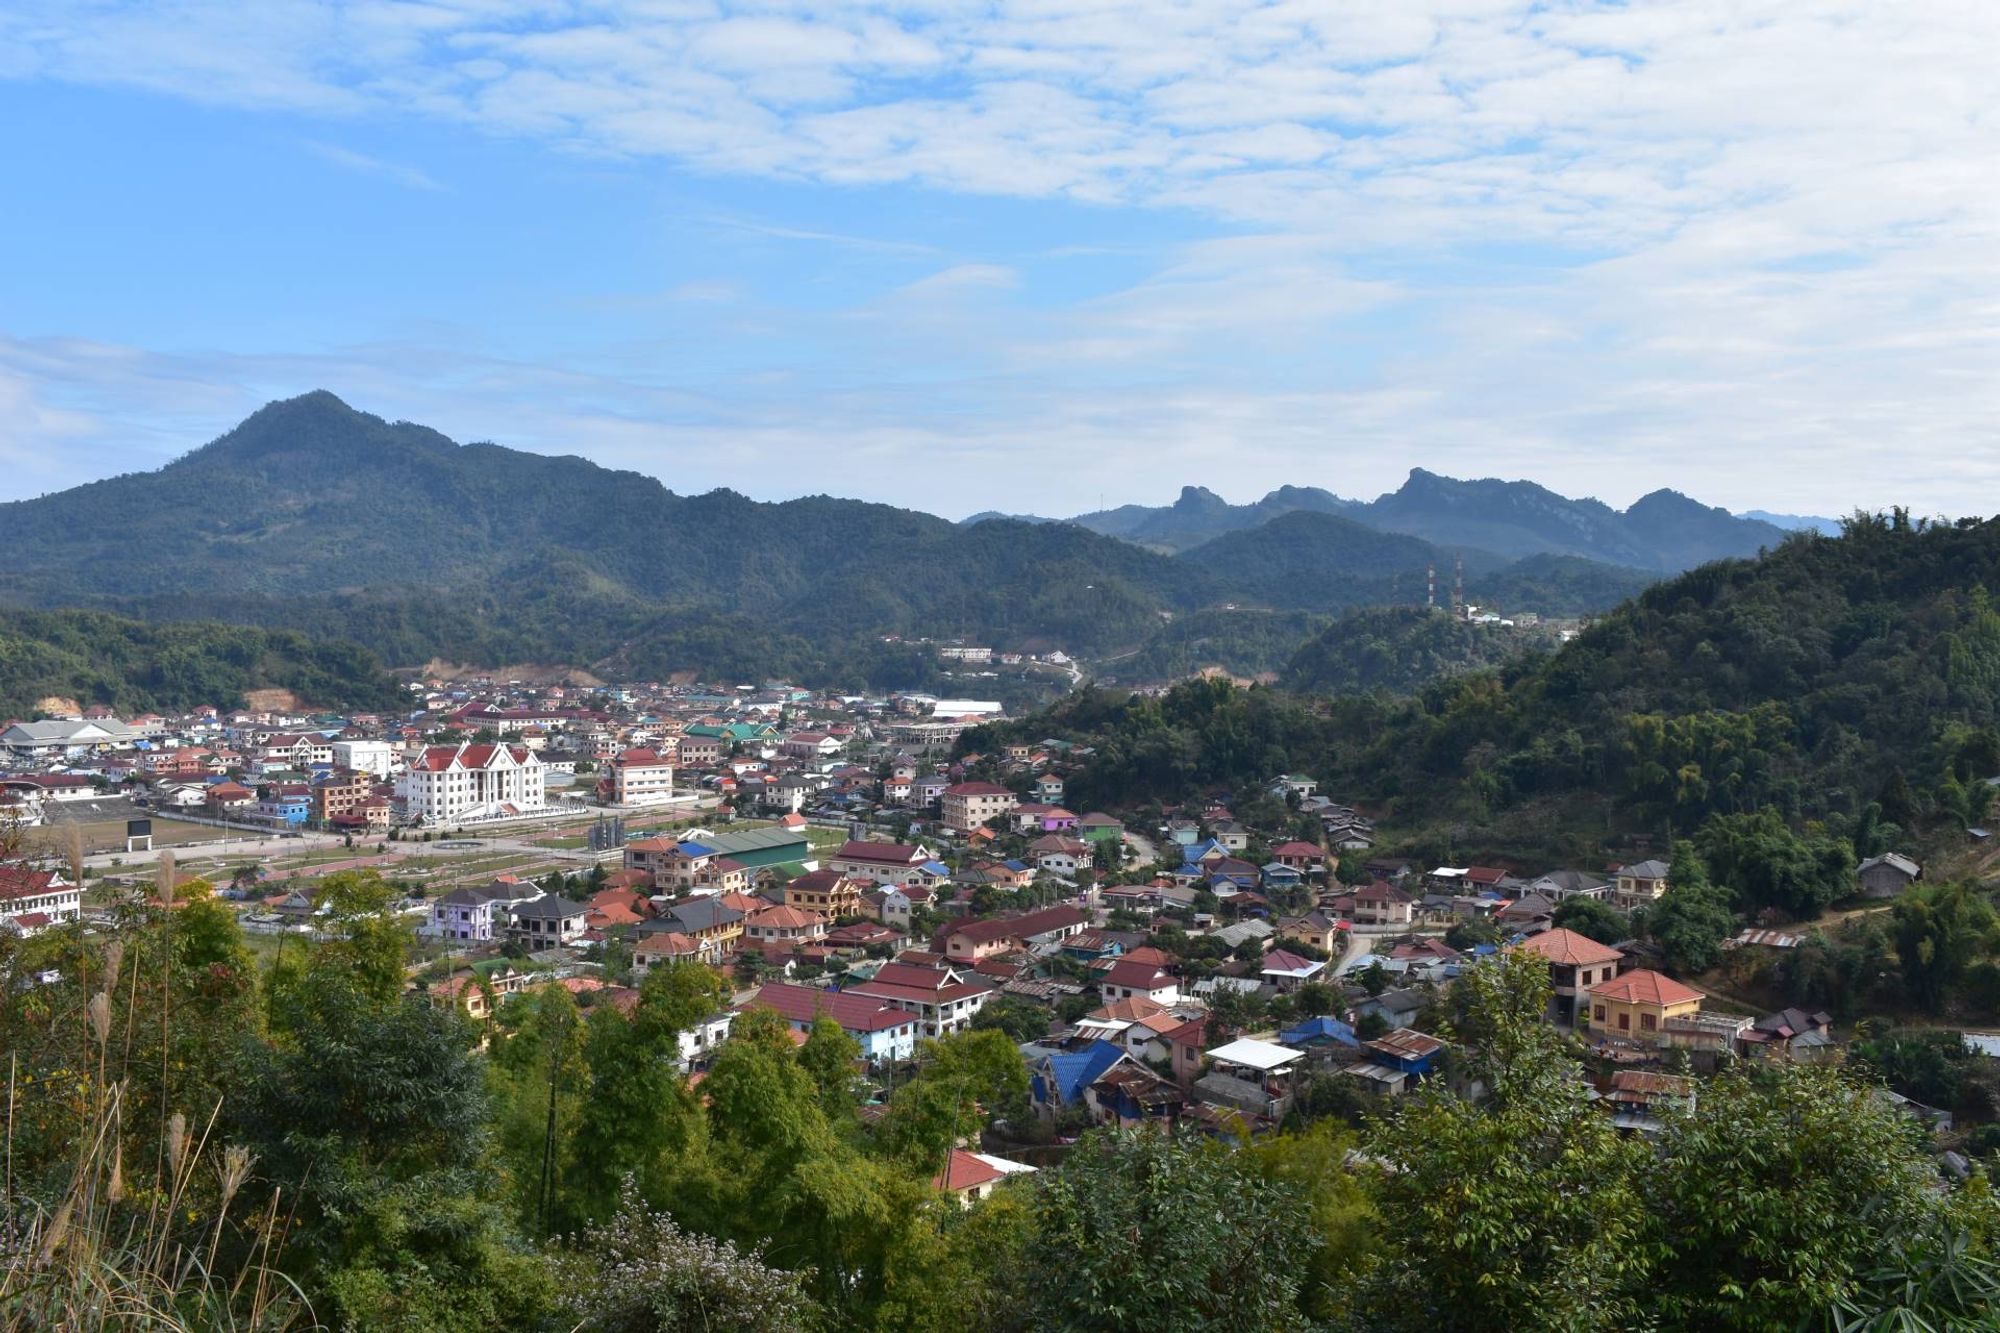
(832, 857)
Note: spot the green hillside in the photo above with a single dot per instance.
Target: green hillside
(1401, 649)
(136, 667)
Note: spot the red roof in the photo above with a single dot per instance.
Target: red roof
(20, 882)
(1018, 927)
(856, 1013)
(977, 789)
(1136, 976)
(1566, 948)
(1644, 986)
(964, 1171)
(881, 853)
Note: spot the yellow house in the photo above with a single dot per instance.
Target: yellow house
(1639, 1003)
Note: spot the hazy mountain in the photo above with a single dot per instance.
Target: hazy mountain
(1829, 527)
(1200, 515)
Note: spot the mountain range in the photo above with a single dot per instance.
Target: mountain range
(311, 515)
(1664, 532)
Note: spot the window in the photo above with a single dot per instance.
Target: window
(1647, 1022)
(1597, 1012)
(1624, 1022)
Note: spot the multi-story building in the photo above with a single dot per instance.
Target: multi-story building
(941, 998)
(33, 900)
(339, 794)
(638, 777)
(376, 758)
(883, 862)
(477, 913)
(968, 805)
(828, 892)
(447, 784)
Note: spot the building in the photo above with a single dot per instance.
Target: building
(1639, 884)
(375, 758)
(1888, 875)
(476, 913)
(784, 926)
(968, 805)
(1639, 1004)
(1383, 904)
(1035, 932)
(33, 900)
(638, 777)
(884, 1032)
(1130, 980)
(340, 793)
(828, 892)
(49, 740)
(452, 784)
(883, 862)
(941, 998)
(971, 1176)
(1576, 963)
(548, 922)
(670, 946)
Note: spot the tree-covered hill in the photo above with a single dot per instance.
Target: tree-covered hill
(1846, 685)
(134, 667)
(1403, 648)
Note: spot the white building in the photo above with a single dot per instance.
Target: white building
(453, 784)
(33, 900)
(640, 777)
(376, 757)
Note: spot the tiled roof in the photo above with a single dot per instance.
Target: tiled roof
(1566, 948)
(1644, 986)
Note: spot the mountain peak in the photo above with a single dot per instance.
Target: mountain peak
(1199, 498)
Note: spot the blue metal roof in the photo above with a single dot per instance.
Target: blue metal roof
(1076, 1070)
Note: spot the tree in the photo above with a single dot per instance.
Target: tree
(1142, 1232)
(1769, 865)
(1940, 931)
(961, 1079)
(1692, 919)
(1593, 918)
(1518, 1214)
(1021, 1018)
(1313, 1163)
(1776, 1195)
(639, 1272)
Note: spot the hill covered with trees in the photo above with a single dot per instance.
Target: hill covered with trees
(134, 666)
(1404, 648)
(315, 517)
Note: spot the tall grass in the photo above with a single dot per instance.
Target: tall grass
(169, 1248)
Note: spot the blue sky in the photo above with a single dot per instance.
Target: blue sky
(1020, 255)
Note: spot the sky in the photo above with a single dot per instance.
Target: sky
(1027, 255)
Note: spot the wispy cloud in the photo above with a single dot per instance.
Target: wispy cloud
(1753, 241)
(413, 177)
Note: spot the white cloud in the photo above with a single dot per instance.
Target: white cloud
(413, 177)
(1754, 241)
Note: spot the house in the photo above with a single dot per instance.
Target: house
(1060, 855)
(1049, 788)
(1791, 1034)
(1638, 884)
(1129, 1095)
(1134, 1024)
(707, 920)
(1638, 1004)
(883, 1031)
(1316, 928)
(33, 900)
(1887, 875)
(942, 998)
(1100, 827)
(970, 1176)
(1576, 963)
(882, 862)
(1255, 1077)
(1639, 1100)
(1060, 1080)
(968, 805)
(1320, 1034)
(476, 913)
(548, 922)
(1127, 979)
(1383, 904)
(1184, 1049)
(1304, 857)
(1412, 1053)
(446, 784)
(1035, 932)
(828, 892)
(1036, 817)
(900, 905)
(670, 946)
(1288, 971)
(784, 926)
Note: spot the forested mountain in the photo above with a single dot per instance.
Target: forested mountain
(1852, 681)
(315, 517)
(1664, 532)
(92, 658)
